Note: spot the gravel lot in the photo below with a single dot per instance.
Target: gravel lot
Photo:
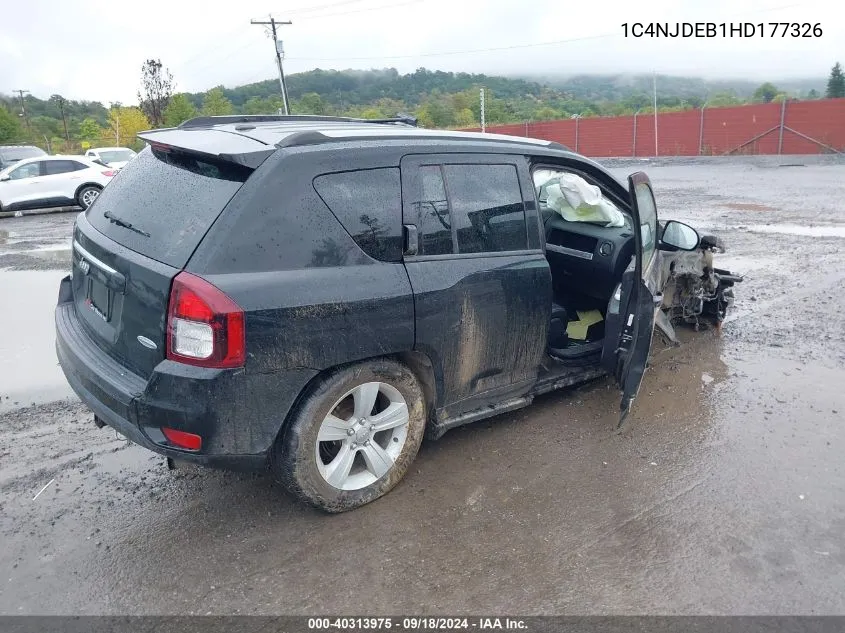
(725, 494)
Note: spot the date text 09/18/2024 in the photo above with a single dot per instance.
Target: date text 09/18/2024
(721, 29)
(422, 623)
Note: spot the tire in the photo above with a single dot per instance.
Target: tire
(313, 471)
(85, 197)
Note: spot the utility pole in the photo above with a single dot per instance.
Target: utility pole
(61, 101)
(279, 54)
(483, 114)
(654, 89)
(23, 108)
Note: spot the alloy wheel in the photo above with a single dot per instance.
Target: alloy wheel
(362, 436)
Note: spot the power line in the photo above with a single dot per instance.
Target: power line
(378, 8)
(216, 46)
(277, 44)
(228, 55)
(321, 7)
(461, 52)
(476, 50)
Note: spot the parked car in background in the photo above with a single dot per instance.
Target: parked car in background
(115, 157)
(10, 154)
(52, 181)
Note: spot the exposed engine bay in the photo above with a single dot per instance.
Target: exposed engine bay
(695, 292)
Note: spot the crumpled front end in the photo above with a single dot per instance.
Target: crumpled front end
(695, 292)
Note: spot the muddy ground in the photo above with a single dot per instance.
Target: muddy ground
(725, 494)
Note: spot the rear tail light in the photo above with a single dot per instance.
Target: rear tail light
(182, 439)
(109, 173)
(204, 326)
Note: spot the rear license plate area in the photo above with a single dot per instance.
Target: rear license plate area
(99, 298)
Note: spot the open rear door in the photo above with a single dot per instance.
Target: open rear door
(634, 305)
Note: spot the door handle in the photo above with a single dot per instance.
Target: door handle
(411, 239)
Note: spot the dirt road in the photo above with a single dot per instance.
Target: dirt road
(725, 494)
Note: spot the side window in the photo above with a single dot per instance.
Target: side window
(574, 198)
(432, 210)
(54, 167)
(487, 208)
(368, 203)
(30, 170)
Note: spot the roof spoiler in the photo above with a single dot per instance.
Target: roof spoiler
(208, 121)
(239, 150)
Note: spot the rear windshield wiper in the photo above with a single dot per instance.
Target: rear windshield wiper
(126, 225)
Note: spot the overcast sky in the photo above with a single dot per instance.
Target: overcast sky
(94, 50)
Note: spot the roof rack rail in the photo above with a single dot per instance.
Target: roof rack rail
(207, 121)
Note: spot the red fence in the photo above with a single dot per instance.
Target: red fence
(793, 127)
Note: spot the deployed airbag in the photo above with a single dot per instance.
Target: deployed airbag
(576, 200)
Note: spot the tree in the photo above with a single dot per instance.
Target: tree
(90, 132)
(813, 94)
(156, 90)
(765, 93)
(215, 103)
(546, 114)
(10, 128)
(311, 103)
(836, 83)
(257, 105)
(465, 118)
(436, 113)
(726, 98)
(125, 123)
(179, 110)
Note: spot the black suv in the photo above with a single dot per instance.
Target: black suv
(315, 294)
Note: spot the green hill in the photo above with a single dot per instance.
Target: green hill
(437, 98)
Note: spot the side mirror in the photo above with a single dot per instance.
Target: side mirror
(679, 236)
(4, 178)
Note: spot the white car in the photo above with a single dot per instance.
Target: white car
(115, 157)
(52, 181)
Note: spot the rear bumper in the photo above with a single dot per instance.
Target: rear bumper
(211, 403)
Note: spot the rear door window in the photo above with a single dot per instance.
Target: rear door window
(170, 198)
(486, 208)
(469, 208)
(53, 167)
(432, 211)
(368, 203)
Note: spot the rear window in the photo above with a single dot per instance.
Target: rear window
(116, 155)
(14, 154)
(172, 198)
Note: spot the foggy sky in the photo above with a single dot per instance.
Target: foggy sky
(94, 50)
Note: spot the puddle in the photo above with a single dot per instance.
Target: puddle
(742, 263)
(833, 230)
(62, 246)
(746, 206)
(29, 372)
